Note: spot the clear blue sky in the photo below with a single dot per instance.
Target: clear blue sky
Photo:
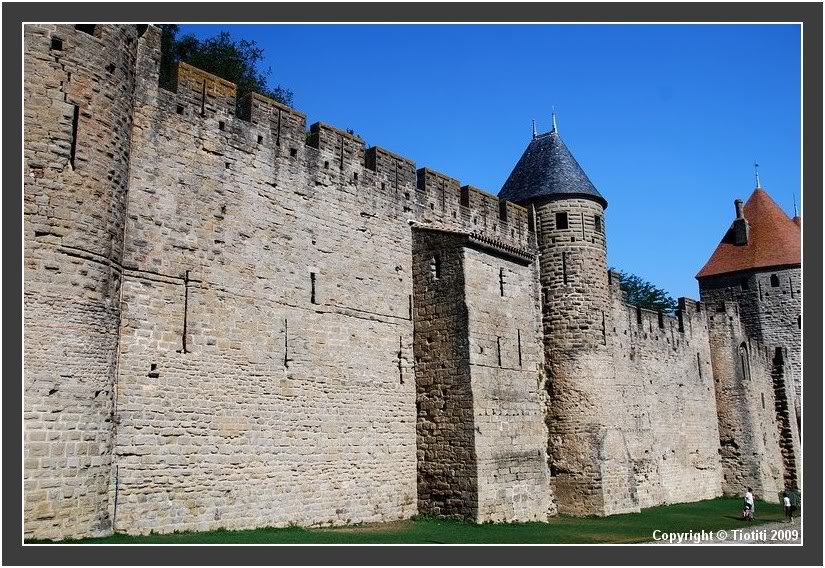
(666, 120)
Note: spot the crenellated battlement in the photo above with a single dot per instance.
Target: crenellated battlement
(256, 121)
(688, 316)
(278, 295)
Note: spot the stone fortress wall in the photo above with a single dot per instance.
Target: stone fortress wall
(273, 326)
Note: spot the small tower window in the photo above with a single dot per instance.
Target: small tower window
(86, 28)
(774, 281)
(597, 221)
(435, 267)
(561, 220)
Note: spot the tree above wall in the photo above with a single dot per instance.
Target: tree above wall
(644, 294)
(236, 61)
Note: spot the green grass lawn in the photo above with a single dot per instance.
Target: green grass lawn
(724, 513)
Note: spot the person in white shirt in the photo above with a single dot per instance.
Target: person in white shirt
(749, 508)
(788, 508)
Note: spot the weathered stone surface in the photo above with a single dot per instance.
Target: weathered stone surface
(231, 323)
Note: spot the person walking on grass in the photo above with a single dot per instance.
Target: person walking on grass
(788, 508)
(748, 511)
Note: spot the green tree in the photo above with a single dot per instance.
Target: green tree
(642, 293)
(236, 61)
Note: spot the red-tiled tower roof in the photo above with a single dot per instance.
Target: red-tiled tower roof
(774, 240)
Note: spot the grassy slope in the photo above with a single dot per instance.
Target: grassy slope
(715, 514)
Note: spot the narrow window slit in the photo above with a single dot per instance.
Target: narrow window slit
(286, 344)
(604, 330)
(518, 332)
(498, 350)
(185, 311)
(501, 281)
(699, 364)
(75, 122)
(278, 135)
(564, 266)
(435, 267)
(312, 287)
(400, 359)
(203, 99)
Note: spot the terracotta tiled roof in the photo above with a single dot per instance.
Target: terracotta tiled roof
(774, 240)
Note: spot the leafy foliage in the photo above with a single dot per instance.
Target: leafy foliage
(642, 293)
(236, 61)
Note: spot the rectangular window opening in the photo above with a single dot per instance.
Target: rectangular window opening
(435, 267)
(57, 44)
(86, 28)
(221, 125)
(597, 221)
(661, 321)
(561, 221)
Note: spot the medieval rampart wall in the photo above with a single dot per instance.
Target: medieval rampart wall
(663, 400)
(266, 371)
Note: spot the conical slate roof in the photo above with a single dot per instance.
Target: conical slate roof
(548, 169)
(774, 240)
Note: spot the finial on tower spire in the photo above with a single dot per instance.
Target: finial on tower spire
(534, 129)
(555, 128)
(795, 214)
(756, 172)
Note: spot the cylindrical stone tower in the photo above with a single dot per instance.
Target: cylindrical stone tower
(78, 107)
(588, 458)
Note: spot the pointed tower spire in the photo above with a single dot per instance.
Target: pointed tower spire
(795, 213)
(534, 129)
(555, 127)
(756, 172)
